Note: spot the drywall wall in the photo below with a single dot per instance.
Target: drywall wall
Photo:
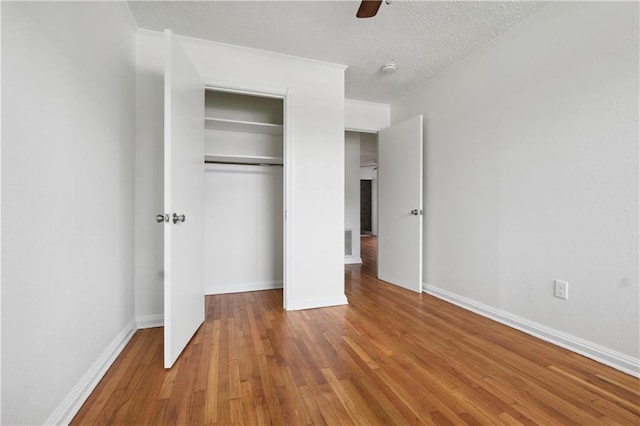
(243, 228)
(316, 134)
(352, 193)
(149, 179)
(67, 188)
(531, 173)
(363, 116)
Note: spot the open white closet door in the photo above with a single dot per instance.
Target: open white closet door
(400, 204)
(183, 200)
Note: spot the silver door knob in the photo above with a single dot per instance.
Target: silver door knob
(178, 218)
(162, 218)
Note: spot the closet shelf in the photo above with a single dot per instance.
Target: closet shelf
(242, 126)
(242, 159)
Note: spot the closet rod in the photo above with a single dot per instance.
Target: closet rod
(240, 163)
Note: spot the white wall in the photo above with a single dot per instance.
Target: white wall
(149, 179)
(317, 168)
(363, 116)
(531, 173)
(67, 188)
(368, 172)
(243, 228)
(352, 193)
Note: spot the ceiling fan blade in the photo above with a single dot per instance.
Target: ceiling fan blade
(368, 8)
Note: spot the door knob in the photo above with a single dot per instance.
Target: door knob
(178, 218)
(162, 218)
(417, 212)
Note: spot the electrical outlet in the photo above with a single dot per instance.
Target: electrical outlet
(561, 289)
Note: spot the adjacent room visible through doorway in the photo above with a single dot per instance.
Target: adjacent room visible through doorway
(361, 192)
(369, 200)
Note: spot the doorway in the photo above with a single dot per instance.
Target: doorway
(361, 196)
(392, 160)
(369, 200)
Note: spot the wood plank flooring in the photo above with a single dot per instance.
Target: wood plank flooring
(390, 357)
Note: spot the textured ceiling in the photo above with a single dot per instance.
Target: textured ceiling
(421, 37)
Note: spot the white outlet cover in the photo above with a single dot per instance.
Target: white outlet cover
(561, 289)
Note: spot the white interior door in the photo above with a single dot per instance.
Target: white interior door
(400, 204)
(183, 195)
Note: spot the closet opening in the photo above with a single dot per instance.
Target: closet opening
(244, 199)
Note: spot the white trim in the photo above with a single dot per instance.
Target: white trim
(350, 260)
(241, 287)
(150, 321)
(70, 405)
(296, 305)
(610, 357)
(287, 202)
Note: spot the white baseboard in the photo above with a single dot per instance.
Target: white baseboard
(150, 321)
(317, 303)
(70, 405)
(352, 260)
(241, 287)
(615, 359)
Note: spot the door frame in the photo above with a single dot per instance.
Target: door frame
(287, 158)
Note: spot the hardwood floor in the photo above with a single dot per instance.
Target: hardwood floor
(390, 357)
